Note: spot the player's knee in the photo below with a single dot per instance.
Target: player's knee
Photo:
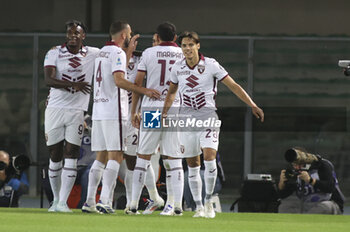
(56, 152)
(130, 162)
(72, 151)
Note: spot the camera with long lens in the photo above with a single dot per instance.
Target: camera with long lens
(17, 165)
(298, 156)
(345, 64)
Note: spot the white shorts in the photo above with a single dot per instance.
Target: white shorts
(132, 141)
(193, 141)
(108, 135)
(168, 141)
(63, 124)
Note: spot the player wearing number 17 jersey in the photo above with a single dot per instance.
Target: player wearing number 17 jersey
(196, 78)
(156, 63)
(109, 115)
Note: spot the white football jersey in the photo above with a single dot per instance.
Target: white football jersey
(110, 101)
(198, 86)
(132, 72)
(157, 63)
(70, 67)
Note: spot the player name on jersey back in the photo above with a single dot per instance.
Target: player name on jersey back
(110, 101)
(157, 62)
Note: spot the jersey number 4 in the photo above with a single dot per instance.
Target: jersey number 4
(99, 75)
(163, 69)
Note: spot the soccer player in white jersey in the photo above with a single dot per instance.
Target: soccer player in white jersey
(156, 62)
(196, 79)
(68, 71)
(132, 142)
(110, 113)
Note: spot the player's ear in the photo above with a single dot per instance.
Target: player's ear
(198, 46)
(83, 36)
(175, 38)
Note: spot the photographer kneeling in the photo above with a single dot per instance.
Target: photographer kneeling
(13, 181)
(315, 183)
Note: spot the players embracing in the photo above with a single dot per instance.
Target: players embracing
(110, 114)
(156, 63)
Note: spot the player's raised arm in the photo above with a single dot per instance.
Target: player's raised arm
(242, 94)
(170, 97)
(131, 47)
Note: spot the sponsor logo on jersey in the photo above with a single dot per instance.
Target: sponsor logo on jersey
(151, 119)
(181, 73)
(192, 81)
(75, 62)
(119, 62)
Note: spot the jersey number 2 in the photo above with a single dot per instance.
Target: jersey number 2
(163, 69)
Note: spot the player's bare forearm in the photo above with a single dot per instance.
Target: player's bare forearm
(121, 82)
(238, 91)
(51, 81)
(170, 97)
(242, 94)
(135, 96)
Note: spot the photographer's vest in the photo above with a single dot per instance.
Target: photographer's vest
(307, 193)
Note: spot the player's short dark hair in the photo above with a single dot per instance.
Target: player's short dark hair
(189, 34)
(117, 27)
(76, 23)
(166, 31)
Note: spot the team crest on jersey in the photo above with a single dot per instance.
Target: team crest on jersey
(182, 149)
(83, 53)
(201, 68)
(131, 66)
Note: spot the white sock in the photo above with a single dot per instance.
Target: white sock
(69, 174)
(95, 176)
(195, 183)
(111, 196)
(128, 186)
(110, 175)
(210, 174)
(177, 181)
(169, 189)
(55, 170)
(138, 180)
(150, 183)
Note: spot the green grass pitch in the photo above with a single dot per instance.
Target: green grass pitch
(37, 220)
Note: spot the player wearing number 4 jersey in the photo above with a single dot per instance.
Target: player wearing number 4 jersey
(68, 71)
(196, 79)
(156, 63)
(110, 112)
